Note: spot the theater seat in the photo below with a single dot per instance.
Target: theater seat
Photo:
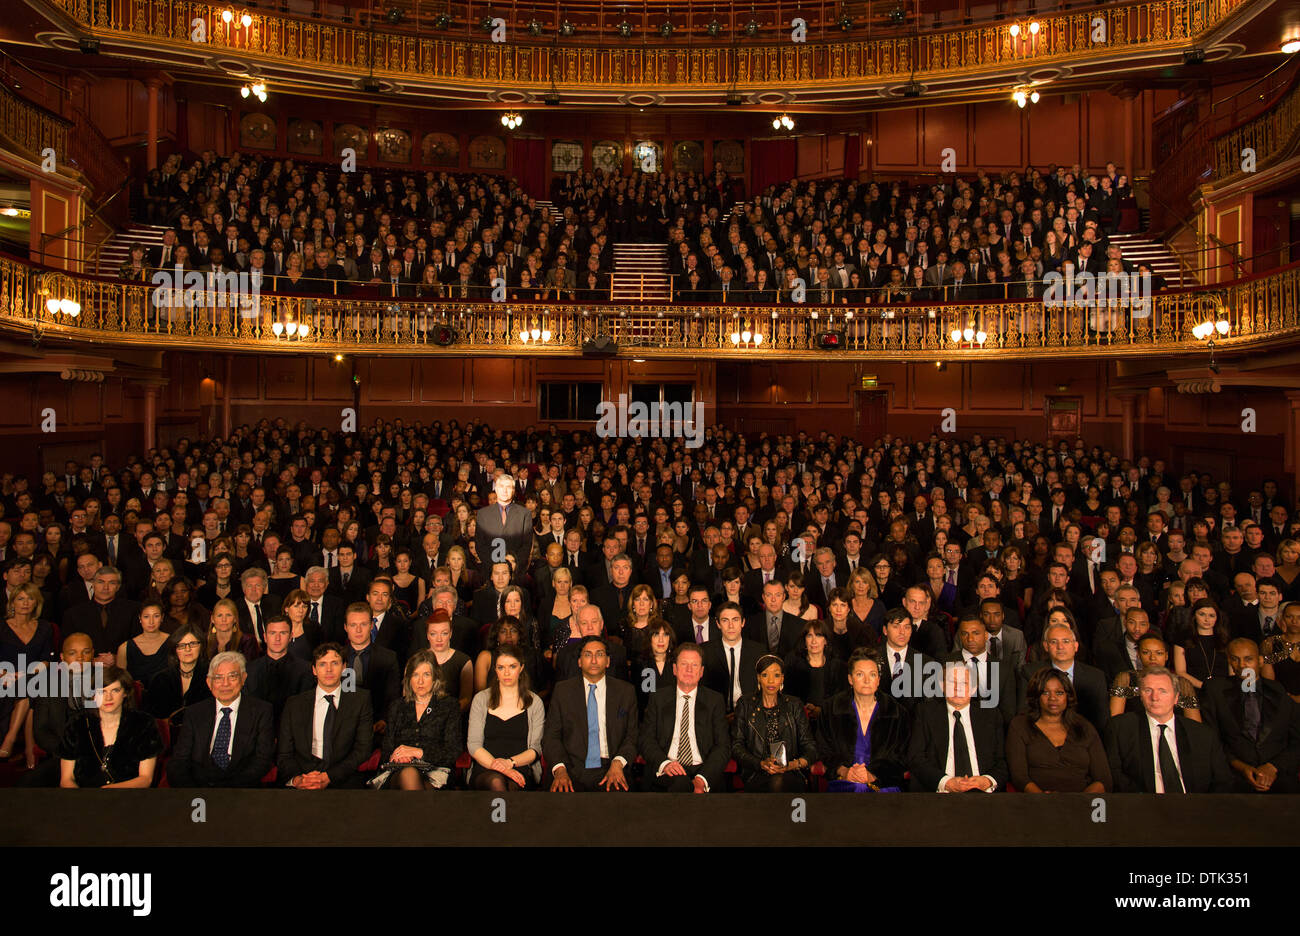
(165, 732)
(372, 762)
(270, 776)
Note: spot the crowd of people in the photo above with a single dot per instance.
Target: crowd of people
(312, 229)
(429, 606)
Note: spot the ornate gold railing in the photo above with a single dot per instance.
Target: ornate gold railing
(1260, 309)
(1269, 134)
(29, 130)
(528, 63)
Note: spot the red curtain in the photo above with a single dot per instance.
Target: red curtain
(528, 165)
(852, 154)
(773, 163)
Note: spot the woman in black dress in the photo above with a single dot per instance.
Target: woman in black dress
(1204, 653)
(423, 730)
(1052, 748)
(25, 639)
(408, 589)
(653, 671)
(145, 654)
(456, 666)
(506, 722)
(111, 746)
(283, 579)
(814, 672)
(184, 681)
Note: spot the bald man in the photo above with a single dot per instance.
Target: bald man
(1258, 724)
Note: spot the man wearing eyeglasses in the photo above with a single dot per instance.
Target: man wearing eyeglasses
(225, 741)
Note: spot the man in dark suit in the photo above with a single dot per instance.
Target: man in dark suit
(994, 681)
(225, 741)
(326, 733)
(505, 524)
(684, 738)
(80, 586)
(109, 619)
(348, 579)
(776, 629)
(729, 659)
(324, 610)
(591, 726)
(613, 598)
(755, 580)
(591, 623)
(1257, 722)
(277, 675)
(486, 601)
(254, 607)
(375, 667)
(1062, 646)
(464, 630)
(905, 667)
(1152, 751)
(957, 746)
(389, 625)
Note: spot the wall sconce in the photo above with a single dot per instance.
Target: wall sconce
(784, 122)
(1032, 28)
(67, 307)
(512, 120)
(968, 335)
(257, 89)
(290, 329)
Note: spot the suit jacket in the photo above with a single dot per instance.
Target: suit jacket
(1278, 739)
(246, 623)
(1011, 645)
(565, 740)
(1007, 680)
(252, 749)
(712, 735)
(1132, 761)
(791, 631)
(123, 623)
(517, 532)
(333, 612)
(276, 681)
(928, 750)
(352, 742)
(382, 677)
(358, 581)
(1090, 685)
(717, 670)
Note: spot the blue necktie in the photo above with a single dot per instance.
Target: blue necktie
(668, 585)
(374, 629)
(221, 744)
(593, 729)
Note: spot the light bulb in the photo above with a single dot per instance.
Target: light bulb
(1291, 46)
(505, 120)
(776, 123)
(956, 335)
(745, 336)
(227, 16)
(813, 315)
(1033, 96)
(261, 96)
(243, 92)
(848, 314)
(1222, 326)
(735, 338)
(980, 337)
(546, 334)
(278, 328)
(535, 334)
(303, 329)
(76, 310)
(1015, 29)
(246, 20)
(52, 306)
(523, 335)
(1034, 27)
(968, 333)
(758, 339)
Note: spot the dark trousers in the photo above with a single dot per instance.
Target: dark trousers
(792, 781)
(686, 784)
(48, 774)
(587, 779)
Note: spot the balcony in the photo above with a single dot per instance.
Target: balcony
(1252, 313)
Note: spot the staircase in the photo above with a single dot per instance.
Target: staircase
(118, 249)
(640, 273)
(1138, 248)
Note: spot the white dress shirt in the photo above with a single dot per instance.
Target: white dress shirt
(735, 668)
(601, 693)
(700, 631)
(1171, 738)
(675, 744)
(318, 719)
(968, 728)
(234, 718)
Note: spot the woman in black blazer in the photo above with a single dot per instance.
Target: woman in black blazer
(424, 730)
(765, 719)
(872, 759)
(813, 672)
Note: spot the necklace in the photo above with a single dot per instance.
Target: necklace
(1209, 660)
(187, 672)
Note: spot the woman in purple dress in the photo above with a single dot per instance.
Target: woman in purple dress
(864, 733)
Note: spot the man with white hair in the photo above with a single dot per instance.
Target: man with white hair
(225, 741)
(505, 527)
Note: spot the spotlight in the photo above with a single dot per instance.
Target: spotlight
(912, 89)
(751, 29)
(551, 98)
(371, 85)
(666, 29)
(442, 335)
(394, 15)
(1194, 57)
(442, 21)
(534, 27)
(735, 99)
(713, 28)
(338, 357)
(624, 29)
(567, 29)
(88, 46)
(941, 366)
(830, 340)
(897, 16)
(1291, 46)
(846, 22)
(485, 24)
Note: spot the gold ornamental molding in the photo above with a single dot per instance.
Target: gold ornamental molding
(1257, 312)
(338, 55)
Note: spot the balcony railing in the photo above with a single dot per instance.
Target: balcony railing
(1257, 310)
(539, 63)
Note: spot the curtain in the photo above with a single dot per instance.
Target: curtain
(773, 162)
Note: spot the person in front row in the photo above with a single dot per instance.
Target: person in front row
(506, 721)
(864, 732)
(326, 733)
(228, 740)
(1152, 752)
(683, 737)
(591, 726)
(111, 746)
(424, 729)
(1257, 723)
(51, 713)
(957, 747)
(1052, 748)
(770, 738)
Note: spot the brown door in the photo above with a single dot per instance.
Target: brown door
(869, 414)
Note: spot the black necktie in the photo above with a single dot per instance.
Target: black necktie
(996, 645)
(315, 614)
(1168, 769)
(960, 751)
(1250, 723)
(327, 731)
(257, 624)
(731, 680)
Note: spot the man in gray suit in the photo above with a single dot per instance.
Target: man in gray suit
(1006, 643)
(505, 523)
